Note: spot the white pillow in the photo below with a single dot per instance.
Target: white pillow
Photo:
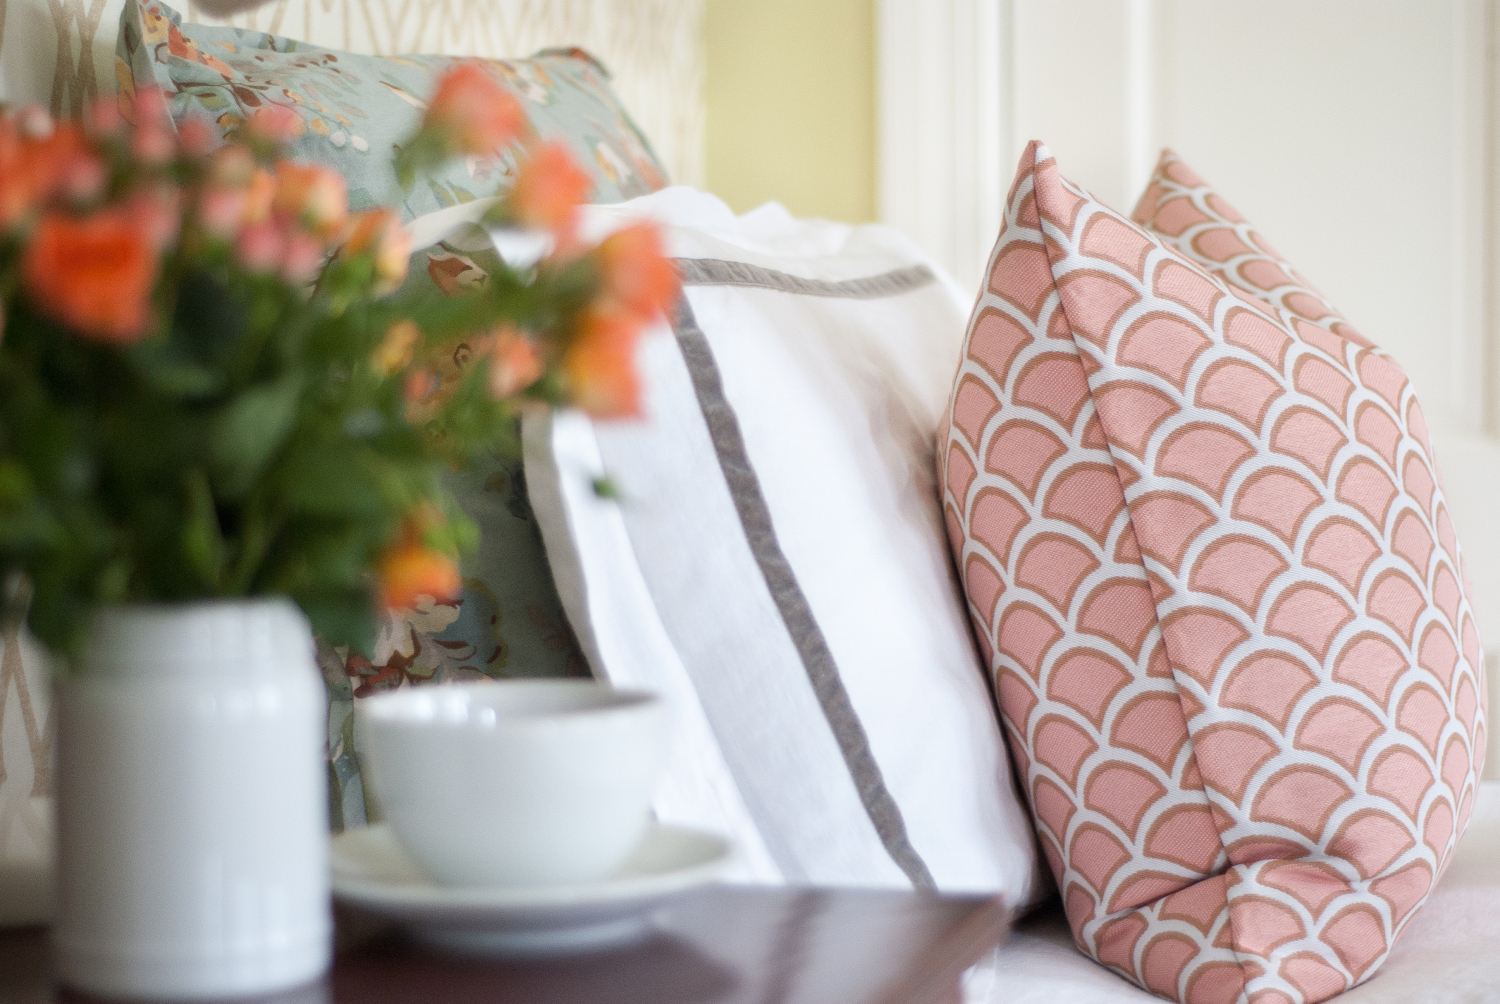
(777, 563)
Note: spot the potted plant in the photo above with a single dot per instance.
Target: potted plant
(218, 435)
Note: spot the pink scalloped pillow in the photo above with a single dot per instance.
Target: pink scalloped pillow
(1217, 587)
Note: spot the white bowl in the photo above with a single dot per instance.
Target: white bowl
(515, 783)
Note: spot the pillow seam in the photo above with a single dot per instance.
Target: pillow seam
(1043, 222)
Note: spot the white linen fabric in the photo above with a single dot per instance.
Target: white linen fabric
(777, 565)
(1447, 955)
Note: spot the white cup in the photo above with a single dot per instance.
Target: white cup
(515, 782)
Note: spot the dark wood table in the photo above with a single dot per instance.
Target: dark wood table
(722, 945)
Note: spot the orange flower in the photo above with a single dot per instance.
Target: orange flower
(379, 233)
(411, 571)
(472, 113)
(38, 160)
(514, 363)
(260, 196)
(94, 274)
(599, 366)
(18, 188)
(419, 387)
(313, 197)
(638, 276)
(395, 351)
(413, 568)
(549, 190)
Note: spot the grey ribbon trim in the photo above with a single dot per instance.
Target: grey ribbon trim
(714, 272)
(791, 602)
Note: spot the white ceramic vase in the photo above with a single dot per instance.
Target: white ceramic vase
(192, 804)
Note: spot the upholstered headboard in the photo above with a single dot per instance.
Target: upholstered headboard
(61, 53)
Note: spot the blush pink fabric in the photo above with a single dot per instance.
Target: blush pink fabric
(1212, 572)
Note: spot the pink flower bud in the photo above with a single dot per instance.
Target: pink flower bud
(260, 247)
(220, 210)
(196, 136)
(302, 257)
(276, 123)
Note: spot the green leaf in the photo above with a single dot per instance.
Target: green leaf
(250, 430)
(332, 554)
(332, 480)
(256, 530)
(190, 359)
(202, 539)
(16, 486)
(183, 379)
(341, 617)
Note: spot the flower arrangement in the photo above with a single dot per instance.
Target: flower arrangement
(208, 388)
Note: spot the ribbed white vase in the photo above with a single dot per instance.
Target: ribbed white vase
(192, 804)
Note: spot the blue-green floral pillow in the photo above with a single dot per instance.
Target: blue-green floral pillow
(353, 111)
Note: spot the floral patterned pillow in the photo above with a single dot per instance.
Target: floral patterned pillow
(508, 622)
(351, 111)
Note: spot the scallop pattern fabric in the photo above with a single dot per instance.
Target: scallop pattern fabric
(1186, 213)
(1216, 583)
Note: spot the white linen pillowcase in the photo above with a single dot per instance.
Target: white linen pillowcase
(777, 564)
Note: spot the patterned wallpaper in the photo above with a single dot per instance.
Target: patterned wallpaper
(655, 48)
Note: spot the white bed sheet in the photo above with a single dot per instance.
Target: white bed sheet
(1449, 953)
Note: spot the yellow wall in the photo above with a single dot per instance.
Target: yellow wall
(791, 105)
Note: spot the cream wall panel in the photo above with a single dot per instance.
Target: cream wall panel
(655, 48)
(1355, 144)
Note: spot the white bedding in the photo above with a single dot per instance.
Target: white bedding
(1449, 953)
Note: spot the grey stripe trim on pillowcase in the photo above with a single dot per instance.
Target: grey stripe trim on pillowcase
(791, 602)
(715, 272)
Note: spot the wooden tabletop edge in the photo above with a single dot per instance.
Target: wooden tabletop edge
(942, 965)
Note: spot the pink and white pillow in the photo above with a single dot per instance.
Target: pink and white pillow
(1216, 583)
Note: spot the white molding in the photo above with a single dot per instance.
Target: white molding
(1141, 98)
(1491, 220)
(944, 125)
(1472, 191)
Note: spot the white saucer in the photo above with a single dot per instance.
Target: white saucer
(371, 871)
